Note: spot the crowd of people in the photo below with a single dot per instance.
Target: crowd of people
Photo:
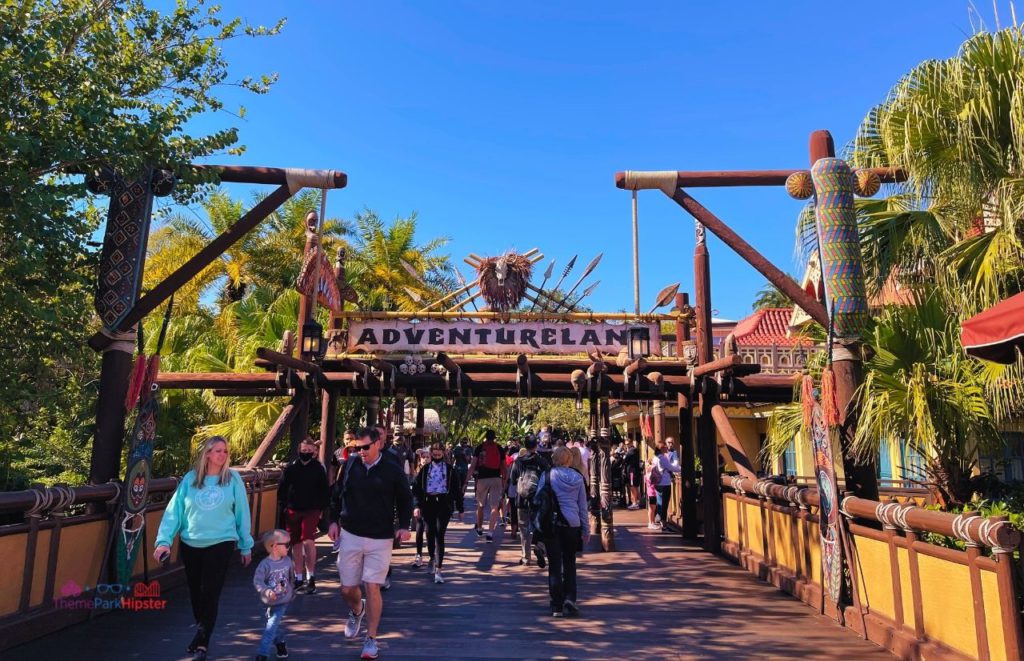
(384, 492)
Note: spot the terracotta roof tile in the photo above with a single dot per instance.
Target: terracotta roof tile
(767, 327)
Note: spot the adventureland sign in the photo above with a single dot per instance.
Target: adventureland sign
(492, 337)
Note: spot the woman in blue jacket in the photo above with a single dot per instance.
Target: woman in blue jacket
(210, 511)
(566, 527)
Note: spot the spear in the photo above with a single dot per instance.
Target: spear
(547, 274)
(665, 296)
(586, 292)
(565, 273)
(590, 268)
(462, 283)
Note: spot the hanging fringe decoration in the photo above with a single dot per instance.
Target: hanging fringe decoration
(807, 399)
(829, 405)
(135, 382)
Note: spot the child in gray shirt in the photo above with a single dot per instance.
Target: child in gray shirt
(273, 581)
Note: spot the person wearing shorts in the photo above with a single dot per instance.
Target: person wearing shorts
(488, 467)
(364, 506)
(302, 495)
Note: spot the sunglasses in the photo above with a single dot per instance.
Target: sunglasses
(362, 448)
(280, 543)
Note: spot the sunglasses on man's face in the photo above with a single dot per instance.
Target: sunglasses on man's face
(362, 448)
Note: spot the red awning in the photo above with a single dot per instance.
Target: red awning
(996, 333)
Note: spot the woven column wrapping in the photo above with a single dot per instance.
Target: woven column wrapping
(840, 246)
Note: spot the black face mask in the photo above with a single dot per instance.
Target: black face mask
(305, 456)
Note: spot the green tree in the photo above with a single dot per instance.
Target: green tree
(771, 297)
(85, 84)
(377, 273)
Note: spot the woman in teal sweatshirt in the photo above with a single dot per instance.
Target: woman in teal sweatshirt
(210, 511)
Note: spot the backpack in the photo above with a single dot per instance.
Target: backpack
(654, 474)
(526, 483)
(491, 456)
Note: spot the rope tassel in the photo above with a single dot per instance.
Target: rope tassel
(807, 399)
(830, 407)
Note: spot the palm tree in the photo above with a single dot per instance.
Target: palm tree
(922, 389)
(953, 126)
(256, 300)
(771, 297)
(376, 270)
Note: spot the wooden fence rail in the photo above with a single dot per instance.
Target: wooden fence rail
(917, 599)
(51, 553)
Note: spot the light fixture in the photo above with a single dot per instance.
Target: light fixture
(313, 343)
(639, 342)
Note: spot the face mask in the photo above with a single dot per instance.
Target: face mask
(305, 456)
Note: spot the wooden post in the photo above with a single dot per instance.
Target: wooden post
(605, 454)
(115, 372)
(687, 456)
(328, 427)
(299, 428)
(861, 478)
(595, 472)
(706, 441)
(329, 398)
(372, 411)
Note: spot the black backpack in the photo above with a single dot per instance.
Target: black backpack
(526, 482)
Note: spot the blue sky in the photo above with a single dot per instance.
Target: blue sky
(502, 124)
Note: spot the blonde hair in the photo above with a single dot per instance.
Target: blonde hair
(200, 466)
(522, 452)
(272, 536)
(562, 456)
(577, 459)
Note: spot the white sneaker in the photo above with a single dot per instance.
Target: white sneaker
(634, 507)
(438, 578)
(355, 621)
(653, 526)
(417, 561)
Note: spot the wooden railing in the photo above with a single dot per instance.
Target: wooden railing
(54, 549)
(918, 600)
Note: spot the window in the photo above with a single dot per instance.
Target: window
(789, 459)
(748, 358)
(1008, 463)
(912, 464)
(884, 460)
(766, 359)
(784, 361)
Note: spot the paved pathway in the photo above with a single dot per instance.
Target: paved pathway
(654, 598)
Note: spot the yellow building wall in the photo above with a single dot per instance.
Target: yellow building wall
(749, 431)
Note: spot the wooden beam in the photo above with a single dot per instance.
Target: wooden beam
(250, 174)
(274, 434)
(514, 316)
(251, 392)
(195, 264)
(786, 284)
(735, 178)
(284, 360)
(718, 365)
(218, 380)
(732, 442)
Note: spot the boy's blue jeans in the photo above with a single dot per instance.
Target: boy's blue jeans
(273, 633)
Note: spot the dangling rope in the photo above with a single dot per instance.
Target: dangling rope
(320, 249)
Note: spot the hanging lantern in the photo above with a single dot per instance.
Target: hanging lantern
(313, 344)
(639, 342)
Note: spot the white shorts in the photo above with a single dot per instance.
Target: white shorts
(363, 560)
